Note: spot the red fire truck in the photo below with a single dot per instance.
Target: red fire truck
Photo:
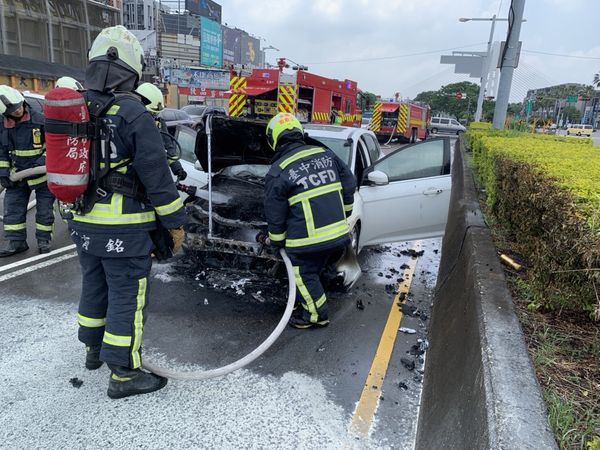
(313, 98)
(403, 120)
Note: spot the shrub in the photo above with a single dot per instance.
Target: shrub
(546, 191)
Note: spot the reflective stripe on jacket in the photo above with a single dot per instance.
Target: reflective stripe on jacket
(135, 139)
(309, 194)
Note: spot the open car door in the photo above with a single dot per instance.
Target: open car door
(406, 194)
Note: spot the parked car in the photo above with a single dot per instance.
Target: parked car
(445, 125)
(198, 111)
(36, 101)
(175, 117)
(579, 129)
(401, 196)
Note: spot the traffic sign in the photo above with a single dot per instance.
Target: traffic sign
(572, 99)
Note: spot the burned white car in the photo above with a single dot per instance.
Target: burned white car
(400, 196)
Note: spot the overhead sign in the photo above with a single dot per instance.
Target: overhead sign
(199, 78)
(205, 8)
(572, 99)
(211, 43)
(472, 65)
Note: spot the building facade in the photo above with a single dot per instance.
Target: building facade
(55, 31)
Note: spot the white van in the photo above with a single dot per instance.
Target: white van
(445, 125)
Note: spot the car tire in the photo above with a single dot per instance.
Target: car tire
(434, 131)
(459, 132)
(568, 133)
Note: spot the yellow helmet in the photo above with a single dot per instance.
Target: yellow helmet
(10, 99)
(154, 95)
(119, 45)
(69, 82)
(280, 125)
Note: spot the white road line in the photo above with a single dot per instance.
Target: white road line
(41, 265)
(36, 258)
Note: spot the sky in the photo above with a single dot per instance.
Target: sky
(374, 42)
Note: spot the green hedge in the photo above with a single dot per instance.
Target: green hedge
(545, 190)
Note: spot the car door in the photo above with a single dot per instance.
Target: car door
(406, 194)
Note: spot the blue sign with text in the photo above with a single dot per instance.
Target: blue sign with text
(211, 43)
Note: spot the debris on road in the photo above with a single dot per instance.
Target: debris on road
(76, 382)
(407, 330)
(360, 305)
(403, 386)
(408, 363)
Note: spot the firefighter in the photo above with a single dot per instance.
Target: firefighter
(155, 98)
(114, 239)
(22, 147)
(309, 193)
(69, 82)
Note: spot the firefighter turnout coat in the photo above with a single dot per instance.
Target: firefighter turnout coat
(309, 194)
(22, 146)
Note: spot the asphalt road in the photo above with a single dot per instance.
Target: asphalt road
(339, 387)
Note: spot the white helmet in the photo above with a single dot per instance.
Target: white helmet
(68, 82)
(10, 99)
(117, 44)
(153, 94)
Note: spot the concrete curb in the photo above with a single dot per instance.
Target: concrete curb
(480, 390)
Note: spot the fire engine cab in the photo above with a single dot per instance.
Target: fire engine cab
(312, 98)
(405, 121)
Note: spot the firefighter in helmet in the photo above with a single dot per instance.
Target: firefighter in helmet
(114, 239)
(22, 146)
(69, 82)
(309, 193)
(154, 96)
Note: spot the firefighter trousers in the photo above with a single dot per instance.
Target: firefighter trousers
(310, 294)
(111, 309)
(15, 211)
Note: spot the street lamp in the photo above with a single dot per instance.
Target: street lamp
(270, 47)
(487, 64)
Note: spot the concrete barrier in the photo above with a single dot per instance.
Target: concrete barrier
(480, 390)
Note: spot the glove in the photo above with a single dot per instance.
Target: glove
(263, 239)
(6, 182)
(181, 175)
(177, 234)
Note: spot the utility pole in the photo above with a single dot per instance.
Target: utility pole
(485, 73)
(508, 62)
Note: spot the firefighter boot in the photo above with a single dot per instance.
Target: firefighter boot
(92, 357)
(125, 382)
(300, 321)
(10, 248)
(43, 246)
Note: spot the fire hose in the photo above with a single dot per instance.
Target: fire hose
(18, 176)
(212, 373)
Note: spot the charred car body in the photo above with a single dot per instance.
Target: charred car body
(401, 196)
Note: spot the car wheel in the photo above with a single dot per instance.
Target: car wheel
(459, 132)
(434, 131)
(578, 134)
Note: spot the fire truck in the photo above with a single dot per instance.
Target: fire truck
(405, 121)
(263, 93)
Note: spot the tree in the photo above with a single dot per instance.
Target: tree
(366, 100)
(596, 81)
(444, 101)
(572, 114)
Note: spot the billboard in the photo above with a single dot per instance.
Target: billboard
(211, 43)
(250, 50)
(205, 8)
(232, 46)
(199, 78)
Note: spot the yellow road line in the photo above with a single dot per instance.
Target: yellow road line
(366, 407)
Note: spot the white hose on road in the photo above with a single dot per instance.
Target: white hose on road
(206, 374)
(18, 176)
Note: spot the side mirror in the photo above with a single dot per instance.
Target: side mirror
(378, 178)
